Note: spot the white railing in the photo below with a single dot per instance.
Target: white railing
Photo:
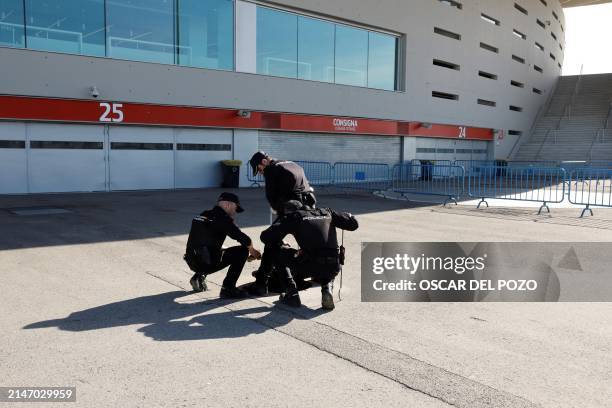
(46, 33)
(12, 28)
(118, 43)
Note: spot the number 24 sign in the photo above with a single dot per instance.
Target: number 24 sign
(462, 132)
(113, 112)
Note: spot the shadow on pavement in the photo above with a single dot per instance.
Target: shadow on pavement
(165, 319)
(111, 217)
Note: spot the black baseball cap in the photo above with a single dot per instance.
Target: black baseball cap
(232, 198)
(256, 160)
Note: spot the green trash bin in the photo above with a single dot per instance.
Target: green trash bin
(231, 173)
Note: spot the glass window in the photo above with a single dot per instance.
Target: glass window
(382, 62)
(11, 23)
(316, 49)
(351, 56)
(141, 30)
(72, 26)
(276, 43)
(206, 33)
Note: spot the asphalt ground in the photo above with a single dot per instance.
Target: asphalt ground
(96, 295)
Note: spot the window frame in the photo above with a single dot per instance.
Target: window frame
(400, 42)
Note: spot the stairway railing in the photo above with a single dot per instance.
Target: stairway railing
(593, 143)
(609, 113)
(543, 143)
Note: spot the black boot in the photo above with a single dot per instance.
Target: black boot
(291, 299)
(327, 296)
(232, 293)
(258, 289)
(198, 283)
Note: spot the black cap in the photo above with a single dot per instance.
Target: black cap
(232, 198)
(256, 160)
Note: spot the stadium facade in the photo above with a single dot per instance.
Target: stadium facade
(108, 95)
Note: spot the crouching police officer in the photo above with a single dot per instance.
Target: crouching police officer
(204, 253)
(319, 256)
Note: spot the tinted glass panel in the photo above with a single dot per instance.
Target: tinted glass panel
(211, 147)
(351, 56)
(276, 43)
(140, 146)
(72, 26)
(11, 23)
(12, 144)
(316, 49)
(141, 30)
(382, 61)
(44, 144)
(206, 33)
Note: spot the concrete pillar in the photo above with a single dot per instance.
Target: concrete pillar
(246, 142)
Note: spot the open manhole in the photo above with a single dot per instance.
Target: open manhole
(26, 211)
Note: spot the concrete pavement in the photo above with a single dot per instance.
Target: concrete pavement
(97, 298)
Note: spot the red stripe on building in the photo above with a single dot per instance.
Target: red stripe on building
(449, 131)
(81, 111)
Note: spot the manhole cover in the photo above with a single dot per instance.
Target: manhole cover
(38, 211)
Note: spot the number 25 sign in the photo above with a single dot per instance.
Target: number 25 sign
(112, 112)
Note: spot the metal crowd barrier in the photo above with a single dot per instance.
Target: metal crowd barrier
(474, 166)
(429, 179)
(590, 187)
(601, 164)
(533, 184)
(317, 173)
(419, 162)
(533, 163)
(255, 180)
(362, 176)
(573, 165)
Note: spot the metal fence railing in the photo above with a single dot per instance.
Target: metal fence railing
(532, 163)
(572, 165)
(429, 179)
(254, 179)
(362, 176)
(418, 162)
(600, 164)
(590, 187)
(318, 173)
(474, 166)
(531, 184)
(545, 182)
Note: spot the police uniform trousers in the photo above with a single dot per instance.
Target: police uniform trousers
(234, 257)
(289, 264)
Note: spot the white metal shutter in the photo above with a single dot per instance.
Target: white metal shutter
(331, 148)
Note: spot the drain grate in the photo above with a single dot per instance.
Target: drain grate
(26, 211)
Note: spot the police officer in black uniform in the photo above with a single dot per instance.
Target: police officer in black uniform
(204, 253)
(319, 256)
(285, 181)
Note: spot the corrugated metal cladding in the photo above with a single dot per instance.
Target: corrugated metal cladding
(330, 148)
